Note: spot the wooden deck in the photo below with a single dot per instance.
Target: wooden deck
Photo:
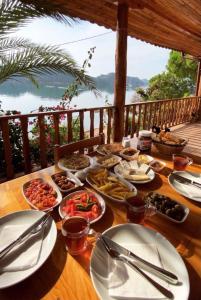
(193, 133)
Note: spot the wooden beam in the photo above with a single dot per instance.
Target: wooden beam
(120, 71)
(198, 82)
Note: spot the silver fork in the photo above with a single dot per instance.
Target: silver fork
(33, 232)
(117, 256)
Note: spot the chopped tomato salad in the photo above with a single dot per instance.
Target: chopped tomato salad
(83, 204)
(40, 194)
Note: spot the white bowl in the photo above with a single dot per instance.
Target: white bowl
(130, 157)
(157, 169)
(99, 198)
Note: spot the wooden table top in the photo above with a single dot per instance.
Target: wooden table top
(63, 277)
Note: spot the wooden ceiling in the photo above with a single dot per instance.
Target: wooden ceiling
(174, 24)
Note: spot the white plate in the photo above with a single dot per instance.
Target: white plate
(61, 166)
(188, 191)
(100, 200)
(98, 160)
(133, 164)
(27, 218)
(138, 234)
(102, 152)
(128, 184)
(52, 184)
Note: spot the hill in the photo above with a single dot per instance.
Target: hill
(53, 86)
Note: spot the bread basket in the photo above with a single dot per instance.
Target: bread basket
(169, 149)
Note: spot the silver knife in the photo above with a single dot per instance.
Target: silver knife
(170, 277)
(24, 234)
(187, 180)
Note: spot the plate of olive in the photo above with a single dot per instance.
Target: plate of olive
(167, 207)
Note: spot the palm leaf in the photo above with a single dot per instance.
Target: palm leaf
(33, 61)
(15, 13)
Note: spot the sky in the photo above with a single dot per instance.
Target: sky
(144, 60)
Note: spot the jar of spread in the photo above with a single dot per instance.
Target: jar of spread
(144, 140)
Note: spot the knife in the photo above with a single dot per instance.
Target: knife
(170, 277)
(24, 234)
(187, 180)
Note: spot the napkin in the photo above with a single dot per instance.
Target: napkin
(126, 283)
(23, 256)
(190, 190)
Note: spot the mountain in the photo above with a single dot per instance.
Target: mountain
(53, 86)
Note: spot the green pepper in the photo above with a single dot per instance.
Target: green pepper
(85, 208)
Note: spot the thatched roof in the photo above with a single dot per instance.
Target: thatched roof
(174, 24)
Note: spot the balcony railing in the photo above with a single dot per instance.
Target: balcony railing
(77, 124)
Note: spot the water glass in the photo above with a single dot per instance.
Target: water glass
(180, 162)
(75, 231)
(138, 210)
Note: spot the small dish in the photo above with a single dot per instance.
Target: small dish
(130, 153)
(64, 183)
(145, 159)
(167, 207)
(101, 205)
(108, 161)
(157, 165)
(41, 204)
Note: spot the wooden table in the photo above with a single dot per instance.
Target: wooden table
(63, 277)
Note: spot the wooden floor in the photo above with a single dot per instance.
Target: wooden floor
(193, 133)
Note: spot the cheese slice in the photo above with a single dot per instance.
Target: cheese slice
(137, 177)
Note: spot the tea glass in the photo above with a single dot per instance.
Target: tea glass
(75, 231)
(180, 162)
(138, 210)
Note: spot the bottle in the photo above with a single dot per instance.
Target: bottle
(144, 140)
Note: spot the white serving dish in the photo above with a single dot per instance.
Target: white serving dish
(186, 211)
(62, 167)
(100, 200)
(134, 234)
(128, 184)
(52, 184)
(133, 165)
(27, 218)
(75, 182)
(100, 160)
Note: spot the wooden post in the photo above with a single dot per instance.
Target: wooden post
(198, 82)
(120, 71)
(198, 87)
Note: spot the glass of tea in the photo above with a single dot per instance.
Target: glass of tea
(138, 210)
(75, 231)
(180, 162)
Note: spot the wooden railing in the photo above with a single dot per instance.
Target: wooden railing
(141, 115)
(163, 113)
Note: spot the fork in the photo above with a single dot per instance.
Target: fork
(33, 232)
(117, 256)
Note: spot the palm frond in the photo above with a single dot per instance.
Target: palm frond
(35, 60)
(12, 43)
(15, 13)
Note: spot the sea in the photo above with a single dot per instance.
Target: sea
(28, 102)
